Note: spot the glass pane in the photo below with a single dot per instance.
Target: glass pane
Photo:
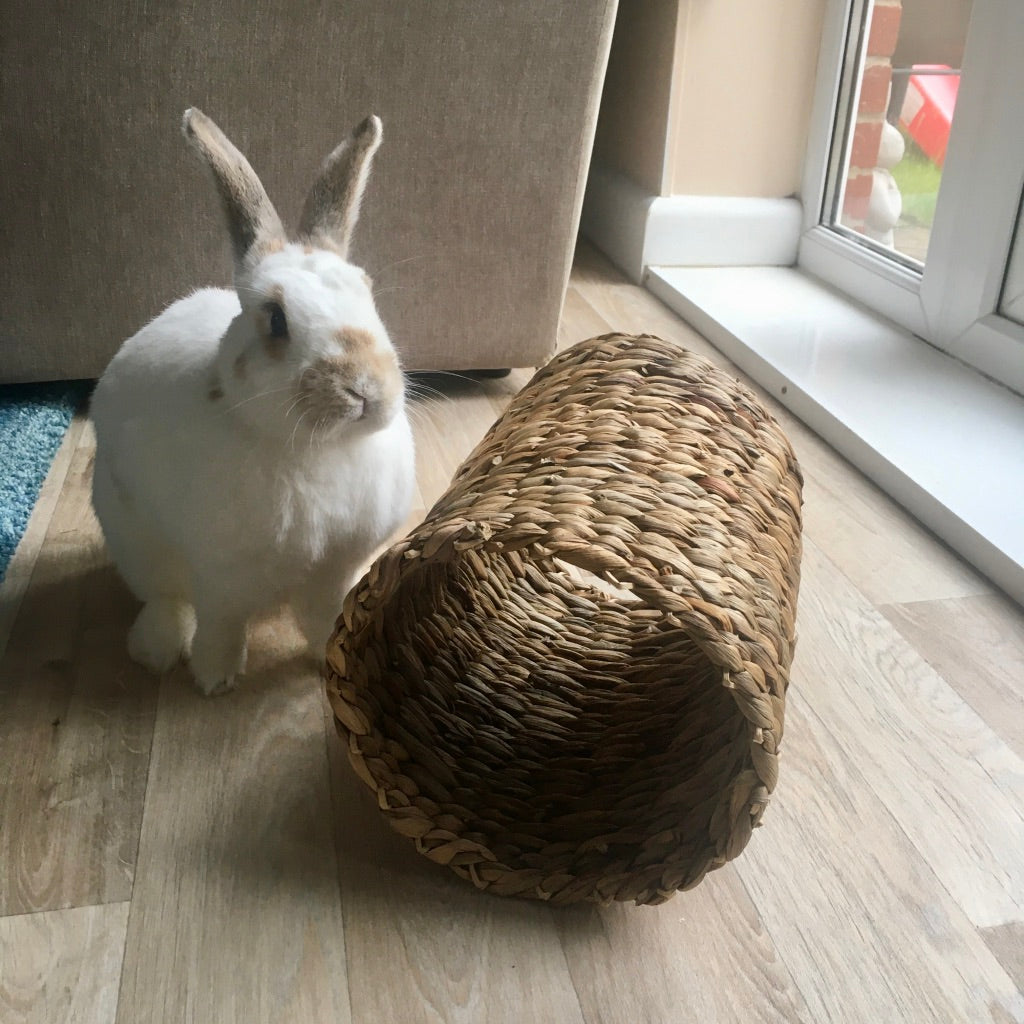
(898, 122)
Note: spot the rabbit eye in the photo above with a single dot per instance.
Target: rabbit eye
(277, 320)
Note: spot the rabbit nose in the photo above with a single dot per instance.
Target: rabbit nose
(356, 398)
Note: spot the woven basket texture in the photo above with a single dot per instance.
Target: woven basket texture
(569, 682)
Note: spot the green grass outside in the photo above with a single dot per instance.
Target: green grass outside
(918, 180)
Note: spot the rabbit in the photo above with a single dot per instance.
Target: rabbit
(252, 445)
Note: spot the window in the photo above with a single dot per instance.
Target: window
(914, 184)
(944, 261)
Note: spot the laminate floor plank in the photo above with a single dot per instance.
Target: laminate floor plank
(62, 966)
(236, 913)
(702, 956)
(868, 930)
(19, 568)
(423, 946)
(76, 720)
(977, 645)
(580, 320)
(1007, 943)
(956, 789)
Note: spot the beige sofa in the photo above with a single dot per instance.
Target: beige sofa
(469, 221)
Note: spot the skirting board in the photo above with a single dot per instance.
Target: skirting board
(636, 230)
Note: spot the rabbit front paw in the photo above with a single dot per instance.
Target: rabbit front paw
(161, 634)
(218, 658)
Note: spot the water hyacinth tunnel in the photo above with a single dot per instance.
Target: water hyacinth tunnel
(569, 682)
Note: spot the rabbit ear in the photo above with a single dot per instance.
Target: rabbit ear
(252, 220)
(332, 206)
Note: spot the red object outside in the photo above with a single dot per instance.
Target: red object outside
(927, 112)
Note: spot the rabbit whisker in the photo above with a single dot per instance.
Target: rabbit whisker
(291, 439)
(400, 263)
(318, 425)
(418, 386)
(463, 378)
(295, 403)
(377, 292)
(421, 417)
(430, 395)
(425, 405)
(252, 398)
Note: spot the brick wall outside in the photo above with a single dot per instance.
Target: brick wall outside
(871, 109)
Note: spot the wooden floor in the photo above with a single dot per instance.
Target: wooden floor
(167, 858)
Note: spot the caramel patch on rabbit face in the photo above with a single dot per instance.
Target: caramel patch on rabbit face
(378, 365)
(355, 340)
(384, 366)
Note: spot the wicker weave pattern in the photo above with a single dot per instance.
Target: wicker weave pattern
(569, 682)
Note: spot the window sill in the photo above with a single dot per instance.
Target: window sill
(944, 441)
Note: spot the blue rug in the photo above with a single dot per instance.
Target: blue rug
(33, 421)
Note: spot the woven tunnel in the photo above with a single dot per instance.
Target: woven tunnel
(569, 682)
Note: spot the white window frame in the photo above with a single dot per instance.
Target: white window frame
(954, 302)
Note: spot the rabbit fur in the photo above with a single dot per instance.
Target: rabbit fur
(252, 445)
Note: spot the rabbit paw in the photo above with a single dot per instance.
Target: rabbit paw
(317, 630)
(161, 634)
(217, 661)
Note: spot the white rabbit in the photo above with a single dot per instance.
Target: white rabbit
(252, 445)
